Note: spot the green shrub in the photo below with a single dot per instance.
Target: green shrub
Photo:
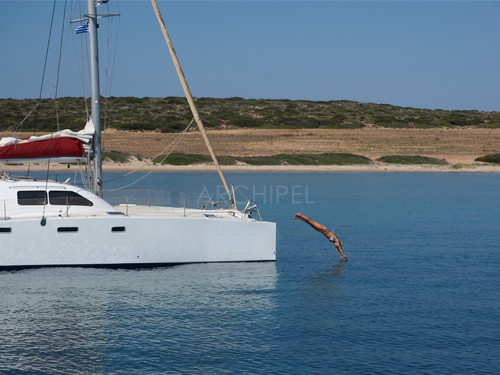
(182, 159)
(116, 156)
(402, 159)
(244, 122)
(490, 158)
(172, 114)
(280, 159)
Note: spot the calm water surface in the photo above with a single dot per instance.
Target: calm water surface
(420, 293)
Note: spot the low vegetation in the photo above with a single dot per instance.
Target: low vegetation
(491, 158)
(119, 156)
(184, 159)
(306, 159)
(402, 159)
(172, 114)
(281, 159)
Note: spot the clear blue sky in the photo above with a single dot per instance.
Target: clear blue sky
(427, 54)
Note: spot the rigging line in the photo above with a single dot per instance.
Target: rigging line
(59, 63)
(106, 89)
(80, 65)
(175, 142)
(47, 49)
(115, 49)
(85, 59)
(83, 49)
(88, 171)
(110, 60)
(57, 117)
(45, 62)
(83, 170)
(80, 172)
(47, 174)
(84, 55)
(17, 126)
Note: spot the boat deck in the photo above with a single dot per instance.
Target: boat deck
(140, 210)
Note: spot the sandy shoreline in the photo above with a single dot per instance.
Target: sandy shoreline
(146, 166)
(458, 146)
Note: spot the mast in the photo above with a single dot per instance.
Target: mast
(190, 100)
(95, 96)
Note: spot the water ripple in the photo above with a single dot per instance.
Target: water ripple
(419, 295)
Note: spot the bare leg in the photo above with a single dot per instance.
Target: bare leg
(319, 227)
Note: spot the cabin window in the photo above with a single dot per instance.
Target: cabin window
(118, 229)
(5, 230)
(67, 198)
(31, 198)
(67, 229)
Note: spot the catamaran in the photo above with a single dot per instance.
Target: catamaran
(51, 223)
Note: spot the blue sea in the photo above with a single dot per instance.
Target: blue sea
(420, 293)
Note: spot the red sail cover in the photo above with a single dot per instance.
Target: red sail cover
(56, 147)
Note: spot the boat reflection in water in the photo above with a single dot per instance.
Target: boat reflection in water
(103, 320)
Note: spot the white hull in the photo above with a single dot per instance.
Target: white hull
(145, 241)
(77, 228)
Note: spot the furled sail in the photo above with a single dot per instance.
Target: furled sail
(62, 146)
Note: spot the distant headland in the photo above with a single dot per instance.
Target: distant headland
(265, 134)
